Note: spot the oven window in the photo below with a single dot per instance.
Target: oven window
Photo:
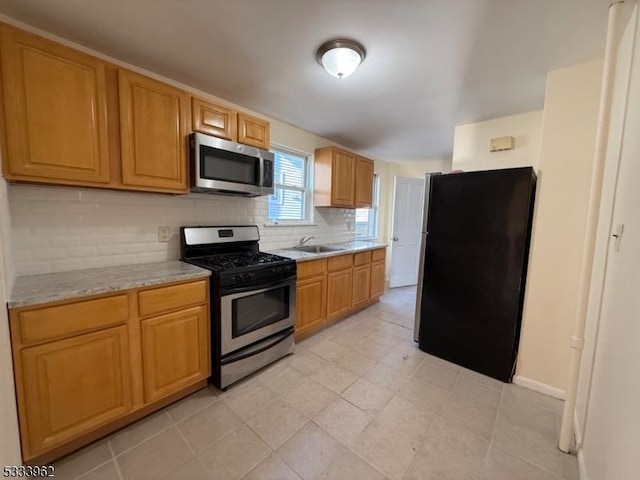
(218, 164)
(256, 311)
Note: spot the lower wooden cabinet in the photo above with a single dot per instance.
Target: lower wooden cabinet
(175, 351)
(73, 386)
(83, 368)
(311, 308)
(377, 279)
(361, 284)
(331, 288)
(339, 293)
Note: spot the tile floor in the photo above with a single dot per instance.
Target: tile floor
(357, 401)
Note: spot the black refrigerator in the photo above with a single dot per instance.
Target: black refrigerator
(473, 266)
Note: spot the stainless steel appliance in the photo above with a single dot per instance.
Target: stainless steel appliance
(253, 299)
(473, 267)
(227, 168)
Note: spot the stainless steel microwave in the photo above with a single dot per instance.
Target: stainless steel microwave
(227, 168)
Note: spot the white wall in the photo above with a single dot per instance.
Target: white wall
(566, 157)
(471, 143)
(611, 436)
(418, 169)
(9, 441)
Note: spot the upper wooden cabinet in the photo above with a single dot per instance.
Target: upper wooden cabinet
(225, 122)
(55, 112)
(213, 119)
(253, 131)
(153, 130)
(342, 179)
(364, 182)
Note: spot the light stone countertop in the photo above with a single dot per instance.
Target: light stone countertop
(347, 247)
(52, 287)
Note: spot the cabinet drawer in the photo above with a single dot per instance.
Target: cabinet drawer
(361, 258)
(72, 318)
(339, 263)
(165, 299)
(311, 268)
(378, 255)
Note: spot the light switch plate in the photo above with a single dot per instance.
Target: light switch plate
(164, 234)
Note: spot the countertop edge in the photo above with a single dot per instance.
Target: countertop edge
(317, 256)
(43, 299)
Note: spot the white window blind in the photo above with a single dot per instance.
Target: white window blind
(290, 199)
(367, 218)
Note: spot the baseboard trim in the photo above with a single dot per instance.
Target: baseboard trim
(539, 387)
(582, 469)
(577, 430)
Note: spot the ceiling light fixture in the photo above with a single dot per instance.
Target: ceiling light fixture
(340, 57)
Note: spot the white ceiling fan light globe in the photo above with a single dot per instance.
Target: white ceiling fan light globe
(341, 62)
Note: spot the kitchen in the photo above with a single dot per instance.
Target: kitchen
(56, 229)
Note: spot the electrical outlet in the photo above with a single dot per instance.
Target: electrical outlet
(164, 234)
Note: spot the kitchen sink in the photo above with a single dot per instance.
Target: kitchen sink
(316, 248)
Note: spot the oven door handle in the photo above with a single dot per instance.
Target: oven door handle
(258, 288)
(258, 347)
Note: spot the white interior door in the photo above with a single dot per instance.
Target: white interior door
(408, 197)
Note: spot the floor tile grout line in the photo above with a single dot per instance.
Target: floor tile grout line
(491, 444)
(176, 422)
(155, 434)
(529, 462)
(78, 477)
(185, 440)
(115, 462)
(495, 425)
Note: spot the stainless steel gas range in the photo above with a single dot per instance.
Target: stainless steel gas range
(253, 298)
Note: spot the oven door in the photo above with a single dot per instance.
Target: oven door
(250, 314)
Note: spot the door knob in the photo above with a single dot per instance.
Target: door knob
(395, 239)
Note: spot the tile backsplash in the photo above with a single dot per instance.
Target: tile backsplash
(58, 228)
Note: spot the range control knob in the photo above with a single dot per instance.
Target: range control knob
(247, 277)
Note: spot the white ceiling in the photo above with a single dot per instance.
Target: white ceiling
(431, 64)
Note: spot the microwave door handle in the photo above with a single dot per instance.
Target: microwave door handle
(261, 179)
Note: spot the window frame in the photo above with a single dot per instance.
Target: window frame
(307, 190)
(372, 233)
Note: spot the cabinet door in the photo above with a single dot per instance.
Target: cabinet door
(152, 133)
(55, 106)
(361, 284)
(73, 386)
(377, 279)
(212, 119)
(253, 131)
(311, 300)
(338, 293)
(175, 351)
(364, 182)
(343, 179)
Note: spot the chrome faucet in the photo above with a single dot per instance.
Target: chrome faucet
(304, 240)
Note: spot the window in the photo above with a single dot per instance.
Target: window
(290, 202)
(367, 218)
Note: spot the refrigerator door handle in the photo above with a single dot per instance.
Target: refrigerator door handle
(423, 252)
